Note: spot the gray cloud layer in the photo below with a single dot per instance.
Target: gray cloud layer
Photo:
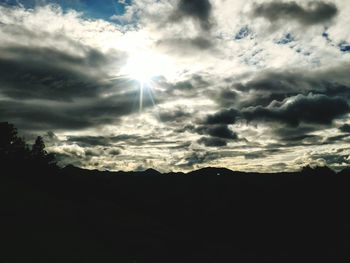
(200, 10)
(313, 13)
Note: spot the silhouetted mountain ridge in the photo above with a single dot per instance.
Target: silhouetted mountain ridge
(212, 171)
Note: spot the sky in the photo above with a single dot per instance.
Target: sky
(177, 85)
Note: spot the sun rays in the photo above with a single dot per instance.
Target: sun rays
(144, 68)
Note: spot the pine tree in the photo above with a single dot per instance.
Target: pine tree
(11, 146)
(40, 155)
(38, 148)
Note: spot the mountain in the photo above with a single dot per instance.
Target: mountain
(208, 215)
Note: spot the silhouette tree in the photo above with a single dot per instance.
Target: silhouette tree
(38, 148)
(318, 170)
(15, 153)
(12, 147)
(8, 134)
(40, 155)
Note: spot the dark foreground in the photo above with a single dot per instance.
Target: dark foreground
(74, 215)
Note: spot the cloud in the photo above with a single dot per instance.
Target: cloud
(174, 115)
(194, 158)
(187, 44)
(314, 109)
(219, 131)
(317, 109)
(48, 73)
(269, 85)
(199, 10)
(219, 135)
(303, 134)
(261, 154)
(101, 140)
(314, 13)
(345, 128)
(337, 159)
(225, 116)
(212, 141)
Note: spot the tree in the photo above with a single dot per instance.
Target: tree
(40, 155)
(38, 148)
(8, 134)
(12, 147)
(318, 170)
(15, 153)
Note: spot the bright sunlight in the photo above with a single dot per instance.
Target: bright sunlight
(144, 67)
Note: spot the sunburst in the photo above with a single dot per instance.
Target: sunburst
(144, 67)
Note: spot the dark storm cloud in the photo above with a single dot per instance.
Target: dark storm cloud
(342, 138)
(305, 140)
(292, 134)
(225, 116)
(266, 97)
(317, 109)
(48, 115)
(219, 131)
(313, 13)
(301, 135)
(200, 10)
(215, 135)
(226, 97)
(212, 141)
(269, 86)
(90, 140)
(102, 140)
(47, 73)
(309, 140)
(345, 128)
(333, 79)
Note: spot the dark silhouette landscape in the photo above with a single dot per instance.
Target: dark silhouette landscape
(52, 214)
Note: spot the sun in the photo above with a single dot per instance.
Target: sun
(145, 66)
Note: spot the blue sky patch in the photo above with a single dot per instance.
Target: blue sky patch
(286, 39)
(344, 47)
(90, 8)
(243, 33)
